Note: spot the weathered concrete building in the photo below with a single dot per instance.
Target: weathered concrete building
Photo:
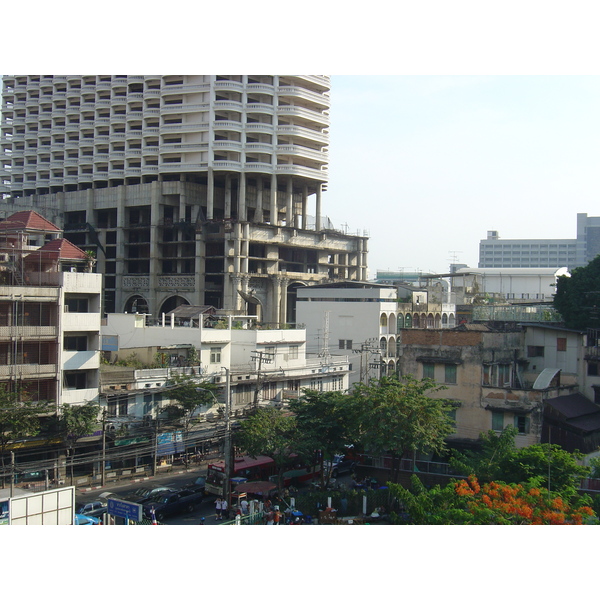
(484, 373)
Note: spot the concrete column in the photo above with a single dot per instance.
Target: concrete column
(289, 209)
(318, 210)
(283, 282)
(155, 197)
(275, 299)
(242, 198)
(210, 195)
(228, 196)
(304, 206)
(274, 220)
(259, 216)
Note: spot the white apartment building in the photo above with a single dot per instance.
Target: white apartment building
(495, 252)
(264, 365)
(49, 313)
(356, 319)
(191, 189)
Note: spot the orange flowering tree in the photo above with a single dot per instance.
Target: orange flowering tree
(467, 502)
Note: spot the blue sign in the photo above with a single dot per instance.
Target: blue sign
(124, 509)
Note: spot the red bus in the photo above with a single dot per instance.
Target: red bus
(261, 468)
(252, 469)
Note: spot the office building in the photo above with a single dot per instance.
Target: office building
(191, 189)
(495, 252)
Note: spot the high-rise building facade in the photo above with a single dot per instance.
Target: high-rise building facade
(205, 190)
(495, 252)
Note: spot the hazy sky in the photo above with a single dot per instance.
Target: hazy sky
(426, 165)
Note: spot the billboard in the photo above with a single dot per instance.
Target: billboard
(53, 507)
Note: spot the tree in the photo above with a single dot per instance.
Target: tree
(397, 416)
(467, 502)
(325, 425)
(500, 460)
(76, 421)
(19, 417)
(189, 396)
(486, 463)
(577, 297)
(271, 433)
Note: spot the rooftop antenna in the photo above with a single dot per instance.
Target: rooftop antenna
(325, 352)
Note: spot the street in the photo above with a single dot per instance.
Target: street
(206, 510)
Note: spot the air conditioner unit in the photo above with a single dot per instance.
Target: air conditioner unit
(4, 257)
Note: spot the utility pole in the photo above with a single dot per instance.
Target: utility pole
(260, 356)
(155, 446)
(103, 467)
(228, 450)
(12, 473)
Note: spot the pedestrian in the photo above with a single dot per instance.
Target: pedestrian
(244, 504)
(224, 509)
(219, 508)
(276, 516)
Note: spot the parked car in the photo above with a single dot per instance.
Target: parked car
(171, 503)
(198, 485)
(94, 508)
(145, 494)
(340, 464)
(86, 520)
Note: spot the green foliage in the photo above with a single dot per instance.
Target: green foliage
(190, 394)
(271, 433)
(435, 506)
(578, 296)
(131, 360)
(19, 416)
(397, 416)
(76, 421)
(325, 422)
(595, 467)
(486, 463)
(193, 357)
(466, 502)
(499, 459)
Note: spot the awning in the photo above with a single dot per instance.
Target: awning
(545, 378)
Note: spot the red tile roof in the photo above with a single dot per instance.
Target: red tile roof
(28, 219)
(60, 248)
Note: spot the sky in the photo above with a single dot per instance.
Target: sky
(426, 165)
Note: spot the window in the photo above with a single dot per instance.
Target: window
(561, 344)
(450, 374)
(75, 380)
(497, 420)
(75, 343)
(293, 352)
(533, 351)
(336, 382)
(215, 355)
(428, 371)
(522, 423)
(345, 344)
(592, 369)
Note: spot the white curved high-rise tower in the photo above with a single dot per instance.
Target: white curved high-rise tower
(193, 188)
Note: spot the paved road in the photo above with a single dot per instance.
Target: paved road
(206, 509)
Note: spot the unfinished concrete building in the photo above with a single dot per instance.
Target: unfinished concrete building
(192, 189)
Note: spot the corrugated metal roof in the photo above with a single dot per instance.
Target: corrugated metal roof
(544, 379)
(573, 406)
